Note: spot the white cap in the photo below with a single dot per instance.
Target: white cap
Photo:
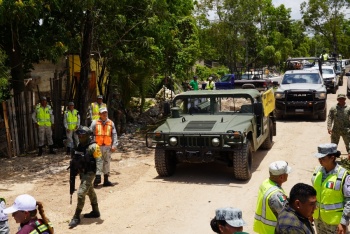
(103, 109)
(279, 168)
(23, 202)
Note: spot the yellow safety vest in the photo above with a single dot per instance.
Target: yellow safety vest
(330, 198)
(325, 57)
(210, 85)
(72, 119)
(265, 220)
(95, 110)
(43, 115)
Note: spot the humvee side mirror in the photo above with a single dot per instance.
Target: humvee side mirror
(258, 108)
(175, 112)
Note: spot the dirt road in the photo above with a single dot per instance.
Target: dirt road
(142, 202)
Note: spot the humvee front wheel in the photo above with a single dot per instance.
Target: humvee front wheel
(267, 144)
(165, 162)
(242, 162)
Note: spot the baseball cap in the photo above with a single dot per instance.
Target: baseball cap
(23, 202)
(279, 168)
(195, 77)
(43, 98)
(210, 78)
(103, 109)
(232, 216)
(100, 96)
(325, 149)
(70, 103)
(341, 96)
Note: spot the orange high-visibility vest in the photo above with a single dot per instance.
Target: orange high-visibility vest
(103, 133)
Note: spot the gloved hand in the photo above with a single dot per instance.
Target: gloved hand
(97, 179)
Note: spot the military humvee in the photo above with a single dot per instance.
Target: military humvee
(215, 125)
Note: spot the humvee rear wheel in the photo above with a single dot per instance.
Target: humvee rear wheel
(242, 162)
(267, 144)
(165, 162)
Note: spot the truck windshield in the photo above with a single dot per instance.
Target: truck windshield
(327, 71)
(301, 78)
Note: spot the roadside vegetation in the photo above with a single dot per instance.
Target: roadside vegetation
(140, 42)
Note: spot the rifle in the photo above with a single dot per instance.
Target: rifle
(72, 174)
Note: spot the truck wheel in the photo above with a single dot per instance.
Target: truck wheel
(242, 162)
(323, 116)
(334, 90)
(267, 144)
(165, 162)
(278, 116)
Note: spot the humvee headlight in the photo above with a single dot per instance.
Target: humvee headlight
(320, 95)
(215, 141)
(173, 141)
(279, 95)
(158, 134)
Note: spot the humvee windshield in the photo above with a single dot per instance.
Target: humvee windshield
(214, 105)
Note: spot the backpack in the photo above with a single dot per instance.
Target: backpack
(81, 161)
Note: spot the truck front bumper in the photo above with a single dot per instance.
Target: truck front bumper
(300, 107)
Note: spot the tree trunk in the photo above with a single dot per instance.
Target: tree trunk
(14, 54)
(83, 87)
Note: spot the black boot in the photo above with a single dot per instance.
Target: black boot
(40, 151)
(51, 150)
(76, 219)
(68, 151)
(95, 213)
(97, 180)
(106, 182)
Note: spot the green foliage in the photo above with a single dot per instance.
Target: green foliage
(4, 77)
(203, 72)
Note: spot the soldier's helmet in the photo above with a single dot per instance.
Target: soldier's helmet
(83, 130)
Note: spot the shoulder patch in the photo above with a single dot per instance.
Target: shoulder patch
(97, 152)
(282, 197)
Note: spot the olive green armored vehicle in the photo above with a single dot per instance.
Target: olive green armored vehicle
(215, 126)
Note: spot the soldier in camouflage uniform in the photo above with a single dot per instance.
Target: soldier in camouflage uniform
(338, 122)
(90, 171)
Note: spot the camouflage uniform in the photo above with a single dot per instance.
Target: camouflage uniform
(339, 117)
(86, 187)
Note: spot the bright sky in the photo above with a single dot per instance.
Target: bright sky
(293, 4)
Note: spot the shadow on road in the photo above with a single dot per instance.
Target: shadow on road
(210, 173)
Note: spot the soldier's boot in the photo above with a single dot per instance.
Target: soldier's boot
(51, 150)
(95, 213)
(97, 181)
(40, 151)
(106, 182)
(68, 151)
(76, 219)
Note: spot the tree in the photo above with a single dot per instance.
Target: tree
(326, 18)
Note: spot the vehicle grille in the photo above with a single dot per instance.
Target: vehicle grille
(194, 141)
(200, 126)
(300, 96)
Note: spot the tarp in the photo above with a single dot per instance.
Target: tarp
(268, 100)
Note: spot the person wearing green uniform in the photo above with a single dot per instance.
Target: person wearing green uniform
(193, 85)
